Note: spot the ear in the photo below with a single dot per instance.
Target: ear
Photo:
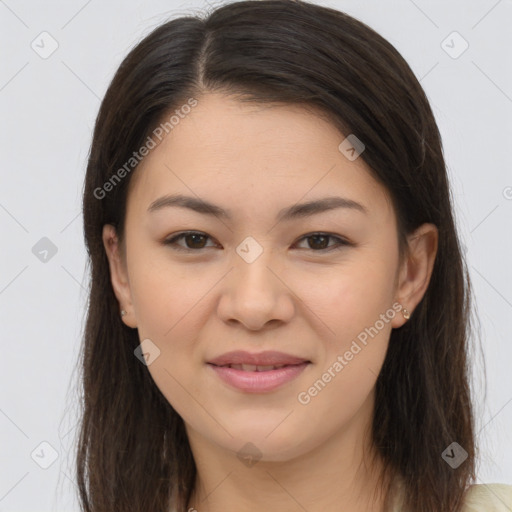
(416, 270)
(118, 274)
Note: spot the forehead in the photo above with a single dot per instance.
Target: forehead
(226, 150)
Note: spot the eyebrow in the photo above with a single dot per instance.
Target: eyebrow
(296, 211)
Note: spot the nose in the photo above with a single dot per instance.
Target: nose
(256, 295)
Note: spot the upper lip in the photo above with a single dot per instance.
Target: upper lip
(267, 358)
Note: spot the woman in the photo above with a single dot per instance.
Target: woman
(279, 306)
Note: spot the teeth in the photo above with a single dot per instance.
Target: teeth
(266, 368)
(254, 368)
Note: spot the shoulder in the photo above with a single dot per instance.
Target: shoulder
(488, 498)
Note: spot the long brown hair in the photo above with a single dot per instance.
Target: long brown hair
(132, 452)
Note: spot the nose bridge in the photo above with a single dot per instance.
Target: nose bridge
(254, 294)
(252, 272)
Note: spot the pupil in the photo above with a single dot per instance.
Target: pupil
(322, 237)
(195, 236)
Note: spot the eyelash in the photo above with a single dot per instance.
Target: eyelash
(341, 242)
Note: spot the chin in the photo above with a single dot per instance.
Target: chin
(251, 444)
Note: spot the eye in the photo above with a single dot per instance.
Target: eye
(196, 240)
(319, 242)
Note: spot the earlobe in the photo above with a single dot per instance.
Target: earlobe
(118, 274)
(416, 271)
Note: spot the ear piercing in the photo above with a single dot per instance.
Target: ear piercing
(123, 312)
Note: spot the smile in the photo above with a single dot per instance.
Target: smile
(257, 378)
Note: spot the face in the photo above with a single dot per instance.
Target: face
(317, 283)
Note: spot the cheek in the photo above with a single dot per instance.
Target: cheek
(346, 298)
(166, 295)
(170, 302)
(350, 305)
(354, 302)
(168, 310)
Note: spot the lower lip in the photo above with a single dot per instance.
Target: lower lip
(258, 382)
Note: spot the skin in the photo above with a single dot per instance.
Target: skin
(295, 298)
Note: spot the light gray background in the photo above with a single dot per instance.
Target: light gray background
(48, 107)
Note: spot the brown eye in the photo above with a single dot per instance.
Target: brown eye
(193, 241)
(320, 242)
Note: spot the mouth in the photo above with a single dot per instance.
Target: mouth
(250, 378)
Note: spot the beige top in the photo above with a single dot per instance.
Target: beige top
(489, 498)
(486, 498)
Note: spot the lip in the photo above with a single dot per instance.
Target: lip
(258, 382)
(267, 358)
